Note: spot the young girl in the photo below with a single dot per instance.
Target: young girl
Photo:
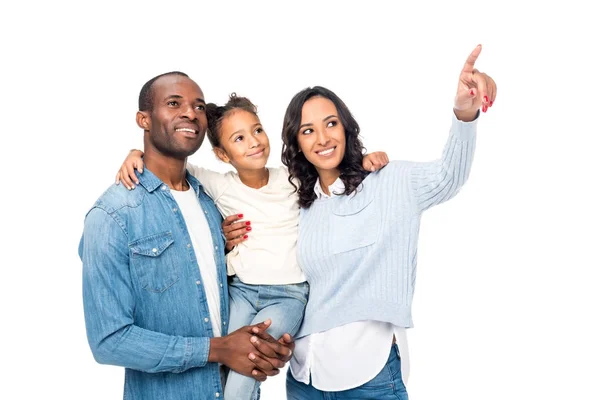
(267, 282)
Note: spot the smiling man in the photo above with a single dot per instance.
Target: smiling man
(154, 277)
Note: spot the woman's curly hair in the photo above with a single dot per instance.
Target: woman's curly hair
(351, 170)
(215, 115)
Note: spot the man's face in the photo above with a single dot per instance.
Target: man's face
(178, 119)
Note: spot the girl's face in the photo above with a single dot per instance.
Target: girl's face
(244, 143)
(321, 136)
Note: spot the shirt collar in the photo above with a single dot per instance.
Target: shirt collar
(336, 187)
(151, 182)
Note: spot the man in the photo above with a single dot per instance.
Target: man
(154, 277)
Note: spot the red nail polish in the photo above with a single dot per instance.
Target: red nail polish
(248, 228)
(471, 92)
(247, 222)
(484, 108)
(485, 98)
(245, 236)
(240, 215)
(491, 103)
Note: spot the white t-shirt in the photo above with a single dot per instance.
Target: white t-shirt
(199, 231)
(268, 256)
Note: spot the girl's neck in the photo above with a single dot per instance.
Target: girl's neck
(254, 178)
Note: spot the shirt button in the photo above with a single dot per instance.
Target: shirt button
(189, 245)
(216, 247)
(224, 323)
(164, 187)
(175, 209)
(198, 282)
(217, 394)
(205, 319)
(154, 250)
(220, 284)
(206, 212)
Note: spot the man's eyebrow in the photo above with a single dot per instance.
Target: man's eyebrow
(176, 96)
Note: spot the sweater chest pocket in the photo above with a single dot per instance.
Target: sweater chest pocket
(354, 225)
(154, 260)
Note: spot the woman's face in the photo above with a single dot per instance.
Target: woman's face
(321, 136)
(243, 140)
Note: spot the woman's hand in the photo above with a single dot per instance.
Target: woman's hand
(235, 232)
(127, 172)
(475, 89)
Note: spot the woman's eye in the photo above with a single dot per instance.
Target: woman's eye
(331, 124)
(307, 131)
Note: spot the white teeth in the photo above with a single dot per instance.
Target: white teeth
(185, 130)
(326, 152)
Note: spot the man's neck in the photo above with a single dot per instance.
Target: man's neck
(169, 170)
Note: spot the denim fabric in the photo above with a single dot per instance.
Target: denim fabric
(387, 385)
(251, 304)
(144, 300)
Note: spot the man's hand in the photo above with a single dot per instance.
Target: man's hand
(239, 353)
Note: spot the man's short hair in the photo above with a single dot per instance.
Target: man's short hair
(146, 98)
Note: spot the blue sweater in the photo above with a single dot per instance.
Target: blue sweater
(359, 251)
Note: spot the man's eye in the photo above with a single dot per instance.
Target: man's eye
(172, 103)
(201, 107)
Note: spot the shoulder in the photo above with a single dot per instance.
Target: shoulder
(117, 197)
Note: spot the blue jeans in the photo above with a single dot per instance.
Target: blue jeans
(387, 385)
(251, 304)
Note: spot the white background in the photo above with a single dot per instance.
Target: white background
(507, 299)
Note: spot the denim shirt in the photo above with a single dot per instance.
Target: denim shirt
(144, 300)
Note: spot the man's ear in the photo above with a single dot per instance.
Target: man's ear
(143, 120)
(221, 155)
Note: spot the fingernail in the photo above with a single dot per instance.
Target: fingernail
(485, 98)
(245, 236)
(491, 103)
(253, 339)
(248, 228)
(255, 330)
(254, 372)
(247, 222)
(251, 356)
(290, 353)
(484, 108)
(471, 92)
(240, 215)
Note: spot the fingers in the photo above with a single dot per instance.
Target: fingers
(131, 167)
(235, 232)
(230, 244)
(231, 219)
(486, 88)
(271, 348)
(470, 63)
(374, 161)
(125, 178)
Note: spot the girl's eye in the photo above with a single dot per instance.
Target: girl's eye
(238, 139)
(258, 130)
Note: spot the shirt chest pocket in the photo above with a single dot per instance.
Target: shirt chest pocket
(354, 225)
(154, 261)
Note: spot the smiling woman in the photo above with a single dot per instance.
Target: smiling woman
(358, 236)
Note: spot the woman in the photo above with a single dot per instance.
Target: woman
(357, 239)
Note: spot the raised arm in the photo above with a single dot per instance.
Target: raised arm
(439, 181)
